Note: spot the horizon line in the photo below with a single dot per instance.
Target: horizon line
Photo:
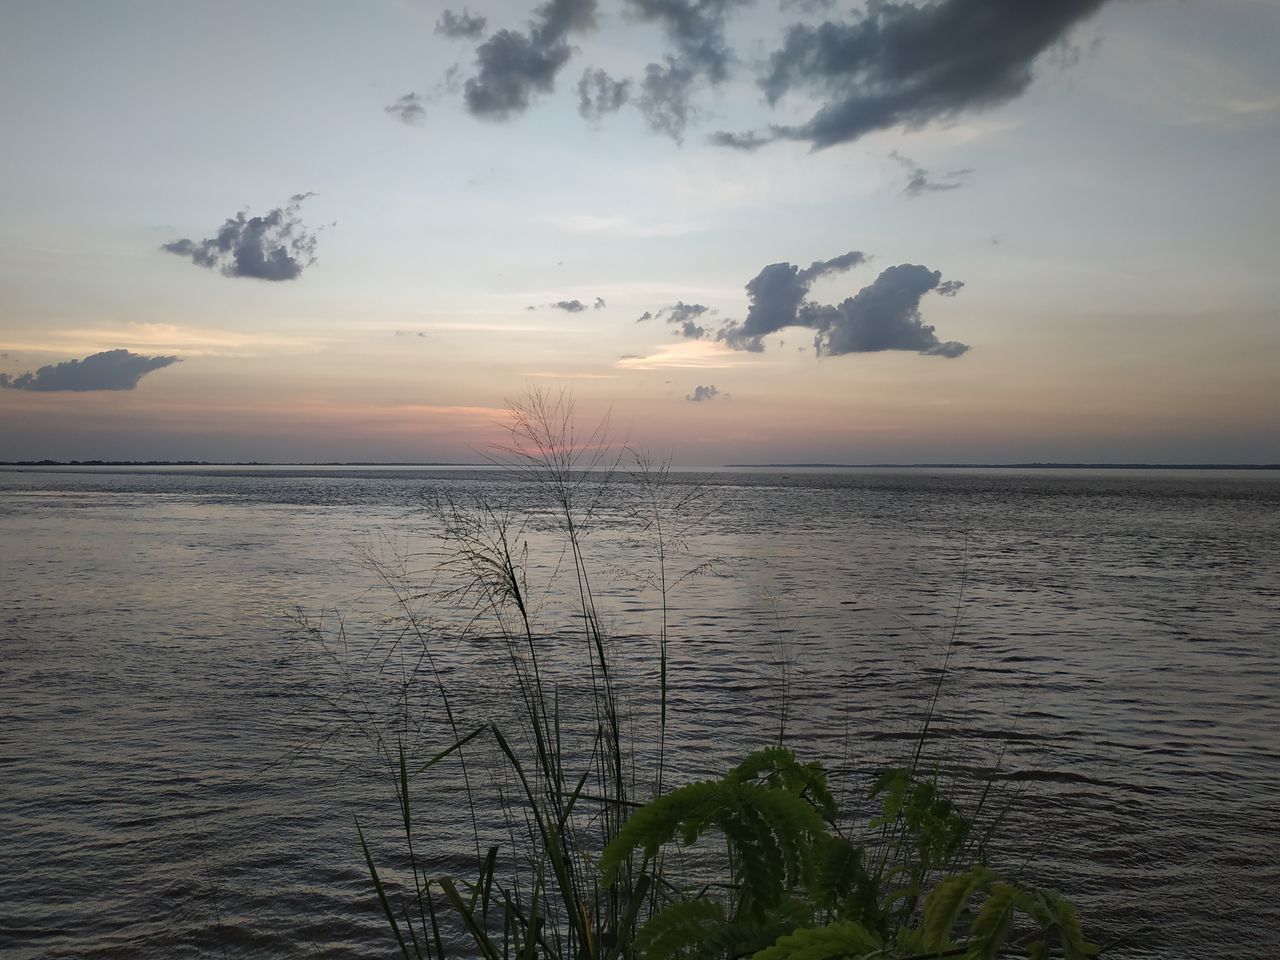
(1024, 465)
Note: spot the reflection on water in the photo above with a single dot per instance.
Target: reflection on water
(179, 776)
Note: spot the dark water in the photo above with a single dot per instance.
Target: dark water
(179, 773)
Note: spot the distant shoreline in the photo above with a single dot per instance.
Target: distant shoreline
(1010, 466)
(757, 466)
(232, 463)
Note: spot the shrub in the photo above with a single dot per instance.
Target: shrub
(769, 868)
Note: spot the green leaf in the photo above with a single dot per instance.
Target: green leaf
(681, 926)
(382, 893)
(846, 939)
(990, 928)
(947, 902)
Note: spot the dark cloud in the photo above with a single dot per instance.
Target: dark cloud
(275, 246)
(665, 97)
(918, 178)
(775, 295)
(514, 67)
(807, 6)
(569, 306)
(681, 312)
(462, 25)
(110, 370)
(599, 304)
(407, 109)
(683, 316)
(885, 315)
(412, 107)
(599, 94)
(696, 30)
(701, 393)
(691, 330)
(903, 64)
(746, 142)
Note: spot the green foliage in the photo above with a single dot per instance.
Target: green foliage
(787, 864)
(845, 939)
(778, 874)
(682, 929)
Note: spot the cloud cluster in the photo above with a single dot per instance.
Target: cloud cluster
(462, 25)
(573, 306)
(407, 109)
(110, 370)
(600, 94)
(701, 393)
(411, 109)
(919, 180)
(775, 296)
(696, 30)
(275, 246)
(514, 67)
(683, 316)
(908, 64)
(893, 63)
(884, 315)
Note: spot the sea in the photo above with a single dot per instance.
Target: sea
(207, 674)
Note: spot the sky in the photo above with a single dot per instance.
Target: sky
(763, 232)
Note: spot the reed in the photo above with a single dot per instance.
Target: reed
(768, 865)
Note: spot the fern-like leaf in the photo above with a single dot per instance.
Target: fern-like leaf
(687, 810)
(680, 930)
(761, 868)
(947, 902)
(846, 939)
(782, 769)
(990, 928)
(1068, 923)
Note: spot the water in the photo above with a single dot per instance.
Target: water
(178, 774)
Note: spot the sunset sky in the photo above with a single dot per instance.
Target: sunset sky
(954, 231)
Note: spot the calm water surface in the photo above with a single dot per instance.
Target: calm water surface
(179, 766)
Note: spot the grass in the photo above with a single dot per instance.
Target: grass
(582, 848)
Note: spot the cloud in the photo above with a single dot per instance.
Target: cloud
(665, 95)
(110, 370)
(775, 295)
(686, 355)
(684, 316)
(411, 108)
(569, 306)
(746, 142)
(515, 67)
(696, 30)
(599, 94)
(275, 246)
(906, 64)
(599, 304)
(884, 315)
(918, 181)
(701, 393)
(407, 109)
(462, 25)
